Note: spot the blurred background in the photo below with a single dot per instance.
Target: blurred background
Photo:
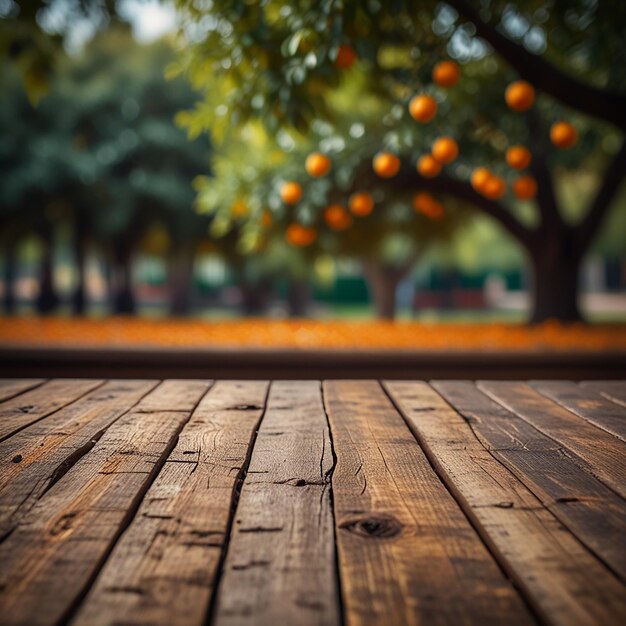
(140, 174)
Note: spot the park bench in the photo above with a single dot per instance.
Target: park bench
(303, 502)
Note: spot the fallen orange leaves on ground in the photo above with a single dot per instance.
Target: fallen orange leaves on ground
(119, 332)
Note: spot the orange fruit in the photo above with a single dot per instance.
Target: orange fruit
(423, 108)
(266, 219)
(525, 187)
(298, 235)
(424, 203)
(519, 95)
(361, 204)
(428, 166)
(290, 192)
(445, 150)
(346, 56)
(494, 188)
(239, 209)
(317, 164)
(518, 157)
(337, 217)
(386, 165)
(479, 178)
(563, 135)
(446, 74)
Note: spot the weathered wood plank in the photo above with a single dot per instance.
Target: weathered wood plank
(592, 511)
(598, 452)
(407, 553)
(49, 559)
(563, 582)
(613, 390)
(162, 571)
(586, 404)
(27, 408)
(280, 564)
(36, 457)
(10, 387)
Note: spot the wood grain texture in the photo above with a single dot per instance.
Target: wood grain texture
(162, 571)
(11, 387)
(613, 390)
(28, 408)
(586, 404)
(598, 452)
(407, 553)
(48, 561)
(588, 508)
(563, 582)
(39, 455)
(280, 563)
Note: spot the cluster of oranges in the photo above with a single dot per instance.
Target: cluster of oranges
(424, 203)
(519, 96)
(336, 216)
(298, 235)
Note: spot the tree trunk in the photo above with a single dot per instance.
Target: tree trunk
(555, 282)
(47, 299)
(181, 280)
(79, 300)
(123, 297)
(382, 284)
(298, 297)
(9, 278)
(254, 297)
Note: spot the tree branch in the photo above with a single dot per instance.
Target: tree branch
(608, 106)
(409, 178)
(615, 174)
(546, 198)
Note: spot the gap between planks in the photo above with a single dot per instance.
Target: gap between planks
(547, 561)
(51, 558)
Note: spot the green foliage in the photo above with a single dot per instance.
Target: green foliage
(272, 65)
(102, 145)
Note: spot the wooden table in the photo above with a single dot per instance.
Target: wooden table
(292, 503)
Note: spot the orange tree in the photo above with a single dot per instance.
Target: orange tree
(281, 62)
(295, 202)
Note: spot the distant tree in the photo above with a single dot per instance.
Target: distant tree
(102, 152)
(282, 62)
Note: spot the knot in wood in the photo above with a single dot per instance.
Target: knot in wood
(377, 526)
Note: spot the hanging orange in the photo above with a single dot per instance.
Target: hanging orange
(424, 203)
(423, 108)
(518, 157)
(494, 188)
(346, 56)
(479, 178)
(298, 235)
(239, 209)
(563, 135)
(446, 74)
(525, 187)
(519, 95)
(266, 219)
(290, 192)
(445, 150)
(428, 166)
(337, 217)
(361, 204)
(386, 165)
(317, 164)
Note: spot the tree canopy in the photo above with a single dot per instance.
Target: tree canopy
(540, 78)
